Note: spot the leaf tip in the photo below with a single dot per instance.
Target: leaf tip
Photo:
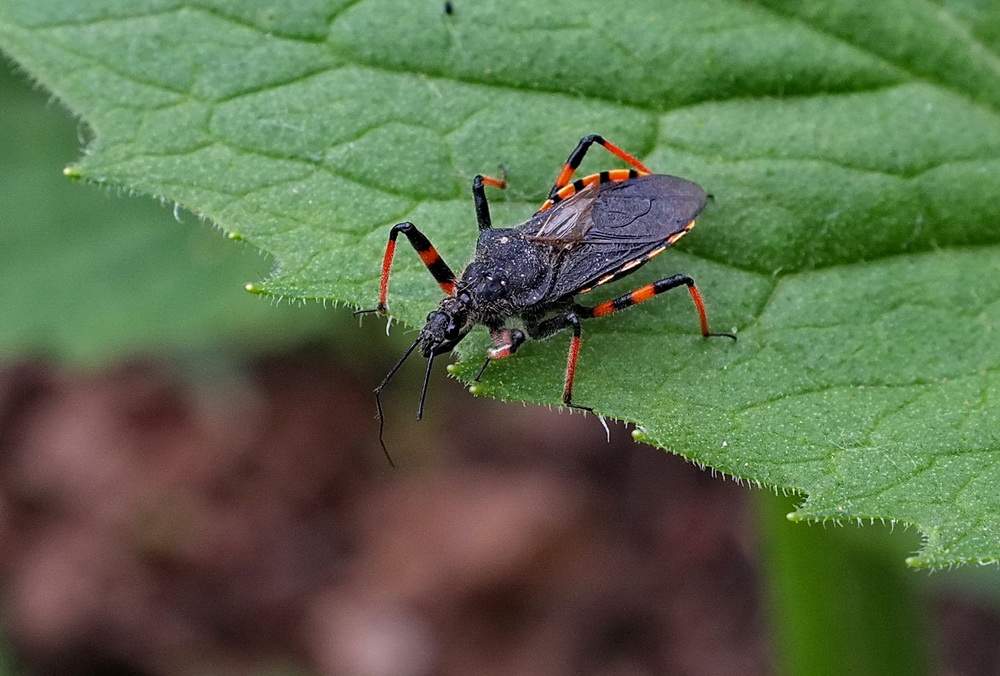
(72, 172)
(252, 288)
(452, 369)
(236, 237)
(475, 389)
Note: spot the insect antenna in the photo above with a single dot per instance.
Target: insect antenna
(378, 400)
(423, 390)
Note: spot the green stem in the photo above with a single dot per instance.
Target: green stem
(842, 600)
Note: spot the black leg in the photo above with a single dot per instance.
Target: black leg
(479, 197)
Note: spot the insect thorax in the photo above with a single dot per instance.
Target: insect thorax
(506, 276)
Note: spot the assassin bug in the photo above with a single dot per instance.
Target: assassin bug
(589, 232)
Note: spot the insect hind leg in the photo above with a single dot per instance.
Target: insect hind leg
(561, 188)
(648, 291)
(543, 329)
(576, 157)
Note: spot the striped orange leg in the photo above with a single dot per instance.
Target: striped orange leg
(574, 353)
(428, 254)
(649, 291)
(546, 328)
(550, 326)
(560, 189)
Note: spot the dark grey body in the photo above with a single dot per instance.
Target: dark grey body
(537, 267)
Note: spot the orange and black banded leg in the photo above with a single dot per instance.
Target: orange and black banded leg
(615, 175)
(546, 328)
(562, 188)
(428, 254)
(572, 319)
(650, 291)
(479, 197)
(505, 344)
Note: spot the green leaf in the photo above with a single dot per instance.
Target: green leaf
(853, 149)
(89, 276)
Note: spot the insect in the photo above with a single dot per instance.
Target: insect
(589, 232)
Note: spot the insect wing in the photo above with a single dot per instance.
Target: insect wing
(630, 221)
(568, 223)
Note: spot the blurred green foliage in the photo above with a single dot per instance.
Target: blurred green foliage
(89, 275)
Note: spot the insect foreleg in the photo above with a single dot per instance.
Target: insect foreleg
(506, 342)
(428, 254)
